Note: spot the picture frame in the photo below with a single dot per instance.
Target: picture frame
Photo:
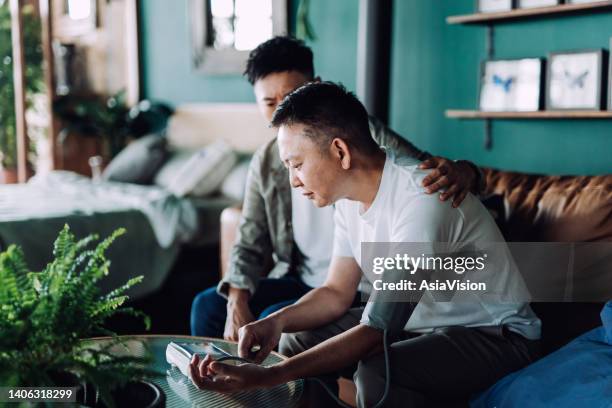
(610, 77)
(511, 85)
(583, 1)
(494, 6)
(528, 4)
(575, 80)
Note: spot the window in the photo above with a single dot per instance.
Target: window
(224, 31)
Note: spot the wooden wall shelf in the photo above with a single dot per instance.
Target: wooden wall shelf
(488, 18)
(473, 114)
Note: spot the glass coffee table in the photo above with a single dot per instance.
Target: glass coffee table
(179, 390)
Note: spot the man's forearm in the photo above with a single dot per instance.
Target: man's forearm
(315, 309)
(331, 355)
(237, 295)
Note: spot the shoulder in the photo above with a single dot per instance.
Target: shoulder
(375, 124)
(266, 158)
(380, 133)
(418, 211)
(267, 153)
(406, 173)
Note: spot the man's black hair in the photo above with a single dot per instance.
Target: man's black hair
(279, 54)
(328, 111)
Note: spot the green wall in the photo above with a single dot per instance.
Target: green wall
(167, 72)
(335, 48)
(435, 67)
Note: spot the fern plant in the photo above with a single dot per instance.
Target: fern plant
(45, 315)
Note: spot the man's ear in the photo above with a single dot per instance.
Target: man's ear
(340, 150)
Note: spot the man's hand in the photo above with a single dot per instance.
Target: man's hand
(238, 313)
(457, 178)
(259, 338)
(331, 355)
(211, 375)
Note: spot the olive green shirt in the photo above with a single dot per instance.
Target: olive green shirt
(265, 228)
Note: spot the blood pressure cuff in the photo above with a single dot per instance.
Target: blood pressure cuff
(385, 309)
(389, 305)
(390, 316)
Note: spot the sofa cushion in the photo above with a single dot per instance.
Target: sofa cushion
(139, 161)
(578, 375)
(554, 208)
(197, 173)
(562, 209)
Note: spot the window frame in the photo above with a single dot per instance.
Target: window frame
(209, 60)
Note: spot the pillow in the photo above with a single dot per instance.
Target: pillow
(576, 375)
(199, 173)
(138, 161)
(235, 183)
(606, 320)
(166, 175)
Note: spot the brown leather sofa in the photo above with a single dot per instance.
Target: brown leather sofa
(537, 209)
(558, 209)
(554, 208)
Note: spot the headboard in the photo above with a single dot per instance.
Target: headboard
(240, 124)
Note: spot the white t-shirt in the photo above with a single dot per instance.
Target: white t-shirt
(313, 232)
(403, 213)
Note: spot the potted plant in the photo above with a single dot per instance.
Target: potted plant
(34, 82)
(94, 116)
(45, 315)
(109, 118)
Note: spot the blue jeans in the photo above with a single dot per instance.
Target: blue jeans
(208, 311)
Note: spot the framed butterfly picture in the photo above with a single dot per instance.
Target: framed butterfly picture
(584, 1)
(610, 78)
(494, 6)
(575, 80)
(537, 3)
(513, 85)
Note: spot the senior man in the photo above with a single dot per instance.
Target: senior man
(439, 349)
(281, 222)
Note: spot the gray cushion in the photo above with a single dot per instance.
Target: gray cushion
(234, 184)
(172, 168)
(199, 173)
(139, 161)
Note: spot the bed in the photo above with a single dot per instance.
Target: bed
(158, 223)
